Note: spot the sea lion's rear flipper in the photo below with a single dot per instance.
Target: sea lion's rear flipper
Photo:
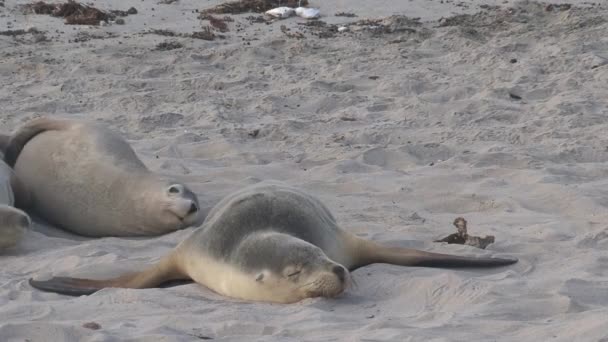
(68, 286)
(27, 132)
(369, 253)
(165, 270)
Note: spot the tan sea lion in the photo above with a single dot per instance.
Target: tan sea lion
(269, 242)
(13, 221)
(87, 179)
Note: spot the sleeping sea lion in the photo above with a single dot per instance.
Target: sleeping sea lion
(86, 179)
(269, 242)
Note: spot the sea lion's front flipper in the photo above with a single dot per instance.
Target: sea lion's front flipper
(409, 257)
(368, 252)
(165, 270)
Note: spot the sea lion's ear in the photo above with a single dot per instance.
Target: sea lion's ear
(260, 277)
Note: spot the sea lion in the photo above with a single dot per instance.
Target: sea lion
(13, 221)
(86, 179)
(268, 242)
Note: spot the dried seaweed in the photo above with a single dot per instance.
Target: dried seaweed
(76, 13)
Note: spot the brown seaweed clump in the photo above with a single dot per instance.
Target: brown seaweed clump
(74, 13)
(463, 238)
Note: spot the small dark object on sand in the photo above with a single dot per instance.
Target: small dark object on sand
(92, 325)
(462, 238)
(18, 32)
(165, 33)
(257, 6)
(345, 14)
(218, 23)
(205, 34)
(118, 13)
(166, 46)
(288, 33)
(254, 133)
(558, 7)
(514, 96)
(257, 19)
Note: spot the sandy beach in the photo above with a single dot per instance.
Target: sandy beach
(418, 112)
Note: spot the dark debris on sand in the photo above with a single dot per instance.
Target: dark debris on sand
(257, 6)
(75, 13)
(84, 36)
(345, 14)
(392, 24)
(462, 237)
(166, 33)
(257, 19)
(33, 35)
(205, 34)
(92, 325)
(496, 17)
(18, 32)
(215, 22)
(320, 28)
(130, 11)
(377, 27)
(169, 45)
(291, 34)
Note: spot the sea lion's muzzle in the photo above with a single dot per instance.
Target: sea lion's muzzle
(340, 272)
(193, 208)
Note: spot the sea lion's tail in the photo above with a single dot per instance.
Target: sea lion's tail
(368, 252)
(27, 132)
(165, 270)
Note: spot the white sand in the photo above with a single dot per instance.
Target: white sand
(434, 137)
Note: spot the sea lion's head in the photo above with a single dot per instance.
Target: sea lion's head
(290, 269)
(180, 201)
(174, 206)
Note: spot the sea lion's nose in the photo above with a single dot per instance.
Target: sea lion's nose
(24, 222)
(193, 209)
(340, 272)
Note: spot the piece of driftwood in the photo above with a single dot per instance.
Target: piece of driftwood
(463, 238)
